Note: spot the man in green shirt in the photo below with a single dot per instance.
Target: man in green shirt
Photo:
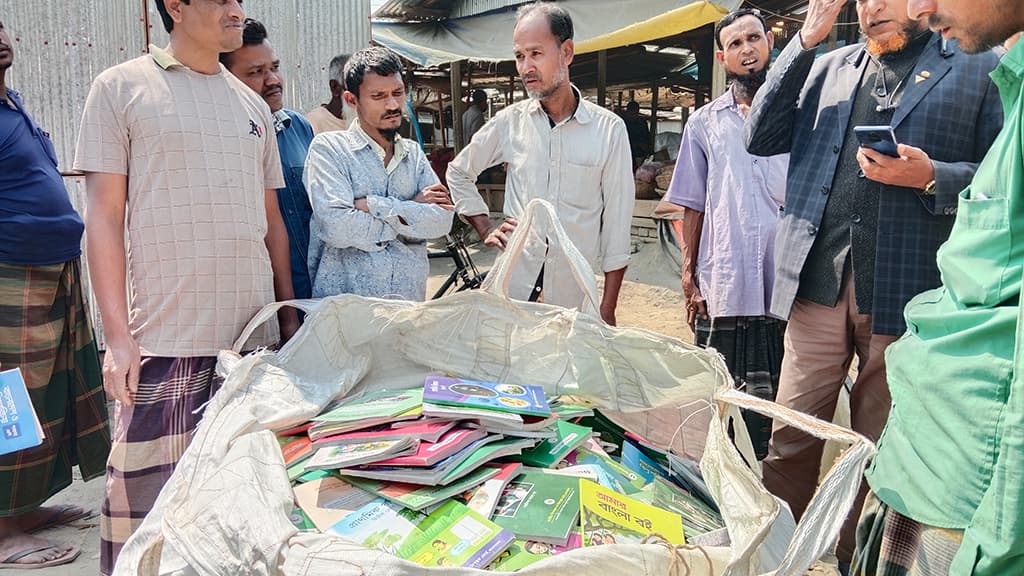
(948, 480)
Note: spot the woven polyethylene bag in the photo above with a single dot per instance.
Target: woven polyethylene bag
(225, 509)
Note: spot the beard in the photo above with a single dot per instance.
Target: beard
(389, 134)
(897, 41)
(980, 40)
(556, 82)
(750, 82)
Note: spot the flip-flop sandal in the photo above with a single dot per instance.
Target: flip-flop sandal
(12, 561)
(62, 515)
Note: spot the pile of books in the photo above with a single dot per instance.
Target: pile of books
(487, 475)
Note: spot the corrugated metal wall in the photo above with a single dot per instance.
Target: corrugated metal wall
(474, 7)
(62, 44)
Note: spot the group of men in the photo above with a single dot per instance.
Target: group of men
(207, 200)
(801, 249)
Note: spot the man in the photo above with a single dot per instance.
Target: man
(731, 203)
(947, 494)
(375, 199)
(558, 147)
(473, 117)
(45, 332)
(860, 229)
(179, 152)
(335, 114)
(259, 68)
(639, 133)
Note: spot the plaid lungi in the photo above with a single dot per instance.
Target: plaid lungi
(752, 349)
(890, 544)
(45, 331)
(150, 436)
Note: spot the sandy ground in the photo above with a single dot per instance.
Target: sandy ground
(650, 299)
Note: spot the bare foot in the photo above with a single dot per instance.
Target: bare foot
(49, 516)
(13, 550)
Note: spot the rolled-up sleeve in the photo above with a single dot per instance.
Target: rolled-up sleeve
(619, 197)
(331, 196)
(484, 151)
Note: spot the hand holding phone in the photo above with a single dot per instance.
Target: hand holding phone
(879, 138)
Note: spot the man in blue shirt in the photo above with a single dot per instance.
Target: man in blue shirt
(45, 332)
(256, 65)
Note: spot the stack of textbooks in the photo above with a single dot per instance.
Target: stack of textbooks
(490, 475)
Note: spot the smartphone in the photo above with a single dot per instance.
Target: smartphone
(879, 138)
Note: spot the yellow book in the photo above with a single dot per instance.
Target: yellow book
(607, 517)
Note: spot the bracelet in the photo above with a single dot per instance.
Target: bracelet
(929, 189)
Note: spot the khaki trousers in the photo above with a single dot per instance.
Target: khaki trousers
(819, 346)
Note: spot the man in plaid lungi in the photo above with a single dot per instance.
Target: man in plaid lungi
(45, 332)
(861, 229)
(183, 155)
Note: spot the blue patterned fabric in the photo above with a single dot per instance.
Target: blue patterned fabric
(950, 109)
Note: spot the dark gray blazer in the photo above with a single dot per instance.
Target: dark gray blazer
(950, 108)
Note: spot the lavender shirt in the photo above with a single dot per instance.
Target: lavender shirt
(740, 196)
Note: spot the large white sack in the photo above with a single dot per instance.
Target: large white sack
(225, 508)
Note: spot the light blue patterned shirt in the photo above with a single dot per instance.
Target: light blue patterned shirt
(381, 253)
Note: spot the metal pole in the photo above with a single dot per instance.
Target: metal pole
(145, 25)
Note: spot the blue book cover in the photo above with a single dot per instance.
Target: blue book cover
(640, 463)
(515, 398)
(19, 427)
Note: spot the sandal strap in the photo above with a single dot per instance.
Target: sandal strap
(13, 558)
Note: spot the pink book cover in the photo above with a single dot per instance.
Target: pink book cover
(426, 431)
(431, 453)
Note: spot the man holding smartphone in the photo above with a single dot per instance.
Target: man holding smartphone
(861, 229)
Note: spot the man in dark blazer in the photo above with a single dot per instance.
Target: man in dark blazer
(860, 231)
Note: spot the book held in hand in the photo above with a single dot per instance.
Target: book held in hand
(19, 425)
(502, 397)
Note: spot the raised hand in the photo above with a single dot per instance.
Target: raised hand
(821, 17)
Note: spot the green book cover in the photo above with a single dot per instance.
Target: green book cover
(484, 454)
(454, 535)
(300, 520)
(539, 506)
(382, 404)
(522, 553)
(418, 497)
(551, 451)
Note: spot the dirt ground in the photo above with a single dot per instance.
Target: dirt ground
(650, 299)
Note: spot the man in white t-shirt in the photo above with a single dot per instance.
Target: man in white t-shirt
(182, 155)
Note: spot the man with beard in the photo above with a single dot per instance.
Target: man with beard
(947, 488)
(258, 67)
(375, 198)
(860, 229)
(558, 147)
(731, 204)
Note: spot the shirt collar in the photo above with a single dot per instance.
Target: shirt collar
(364, 140)
(165, 60)
(581, 114)
(1013, 61)
(726, 100)
(13, 96)
(282, 121)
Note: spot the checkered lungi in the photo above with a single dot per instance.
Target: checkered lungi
(45, 331)
(890, 544)
(150, 436)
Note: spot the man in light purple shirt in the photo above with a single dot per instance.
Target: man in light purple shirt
(731, 202)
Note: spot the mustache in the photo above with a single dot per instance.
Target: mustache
(272, 90)
(392, 114)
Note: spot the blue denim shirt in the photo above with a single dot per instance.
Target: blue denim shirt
(293, 137)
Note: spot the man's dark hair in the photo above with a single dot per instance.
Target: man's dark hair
(479, 96)
(254, 34)
(162, 9)
(633, 106)
(732, 17)
(558, 18)
(376, 59)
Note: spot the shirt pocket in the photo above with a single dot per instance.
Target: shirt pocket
(581, 186)
(975, 257)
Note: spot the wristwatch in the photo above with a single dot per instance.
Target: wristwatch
(929, 189)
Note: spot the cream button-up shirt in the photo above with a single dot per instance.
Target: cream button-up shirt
(581, 166)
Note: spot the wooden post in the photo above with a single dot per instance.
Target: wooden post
(602, 77)
(654, 112)
(457, 100)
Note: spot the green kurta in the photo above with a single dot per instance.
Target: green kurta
(952, 454)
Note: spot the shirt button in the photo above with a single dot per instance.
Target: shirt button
(824, 189)
(836, 149)
(812, 229)
(860, 174)
(856, 218)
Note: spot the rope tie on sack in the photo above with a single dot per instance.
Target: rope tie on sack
(679, 559)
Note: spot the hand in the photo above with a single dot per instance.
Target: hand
(288, 321)
(695, 304)
(608, 313)
(818, 22)
(500, 235)
(913, 169)
(121, 365)
(435, 194)
(361, 204)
